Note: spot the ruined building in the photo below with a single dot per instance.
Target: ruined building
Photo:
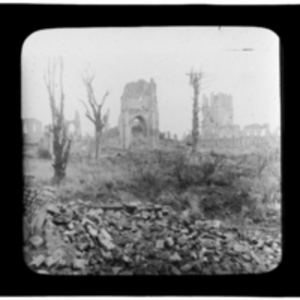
(219, 131)
(32, 131)
(74, 127)
(35, 135)
(138, 120)
(217, 112)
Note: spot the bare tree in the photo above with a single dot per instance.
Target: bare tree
(97, 119)
(61, 140)
(195, 79)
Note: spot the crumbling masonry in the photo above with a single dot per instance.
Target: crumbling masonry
(138, 120)
(219, 131)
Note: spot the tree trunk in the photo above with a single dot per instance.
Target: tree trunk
(194, 159)
(61, 149)
(97, 142)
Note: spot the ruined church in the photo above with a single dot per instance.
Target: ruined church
(138, 121)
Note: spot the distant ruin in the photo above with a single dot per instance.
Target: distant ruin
(32, 131)
(217, 112)
(138, 121)
(219, 131)
(74, 127)
(36, 135)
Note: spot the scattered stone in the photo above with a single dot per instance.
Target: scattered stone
(134, 235)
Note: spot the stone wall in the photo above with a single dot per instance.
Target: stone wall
(250, 137)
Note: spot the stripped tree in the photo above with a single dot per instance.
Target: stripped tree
(195, 79)
(97, 119)
(61, 139)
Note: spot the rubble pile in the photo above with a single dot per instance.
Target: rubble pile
(131, 239)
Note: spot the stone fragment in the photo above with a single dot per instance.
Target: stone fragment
(116, 270)
(105, 234)
(92, 231)
(53, 259)
(160, 244)
(36, 241)
(255, 257)
(214, 223)
(43, 272)
(207, 243)
(175, 271)
(126, 258)
(107, 254)
(106, 243)
(194, 255)
(175, 257)
(229, 236)
(52, 208)
(170, 241)
(126, 273)
(202, 254)
(192, 235)
(247, 257)
(38, 260)
(182, 240)
(162, 223)
(138, 235)
(145, 214)
(268, 250)
(238, 247)
(87, 221)
(187, 267)
(79, 264)
(260, 243)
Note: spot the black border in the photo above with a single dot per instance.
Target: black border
(18, 22)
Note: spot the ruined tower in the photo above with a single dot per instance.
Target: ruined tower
(139, 114)
(217, 112)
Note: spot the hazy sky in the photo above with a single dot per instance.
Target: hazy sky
(121, 55)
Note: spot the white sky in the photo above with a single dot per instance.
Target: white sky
(121, 55)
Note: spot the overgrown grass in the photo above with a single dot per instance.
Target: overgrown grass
(219, 187)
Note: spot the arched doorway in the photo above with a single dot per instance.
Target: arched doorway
(138, 132)
(138, 128)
